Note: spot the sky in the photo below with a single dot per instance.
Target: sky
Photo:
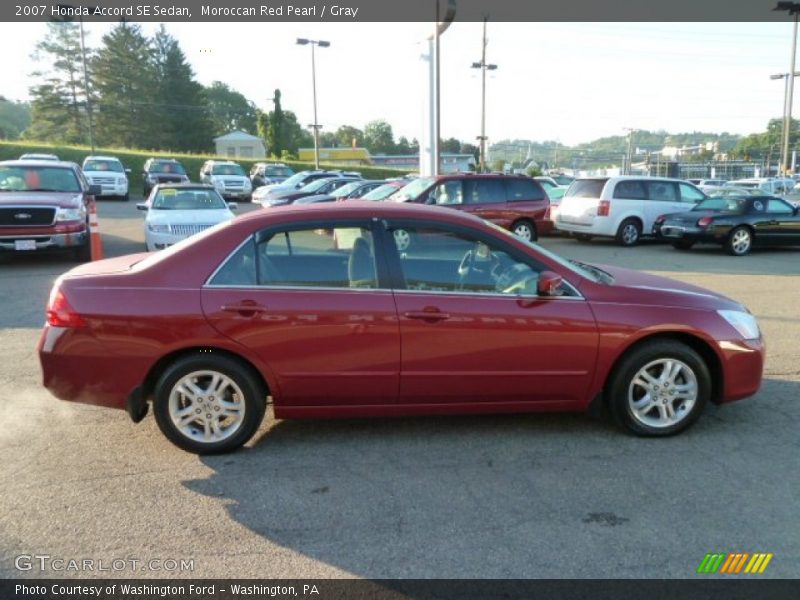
(570, 82)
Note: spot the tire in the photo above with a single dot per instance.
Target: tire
(629, 233)
(126, 197)
(653, 406)
(246, 412)
(740, 241)
(82, 253)
(683, 244)
(525, 230)
(582, 237)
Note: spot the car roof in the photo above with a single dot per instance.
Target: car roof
(35, 162)
(101, 158)
(365, 208)
(154, 159)
(184, 186)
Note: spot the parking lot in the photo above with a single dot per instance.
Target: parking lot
(557, 496)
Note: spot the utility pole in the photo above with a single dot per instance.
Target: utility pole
(630, 131)
(785, 77)
(483, 66)
(793, 8)
(315, 125)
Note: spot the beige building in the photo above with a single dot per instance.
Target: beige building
(238, 144)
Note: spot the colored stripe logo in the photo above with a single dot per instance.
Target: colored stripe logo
(734, 563)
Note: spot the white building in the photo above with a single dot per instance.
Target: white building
(238, 144)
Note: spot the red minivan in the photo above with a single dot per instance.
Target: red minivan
(513, 202)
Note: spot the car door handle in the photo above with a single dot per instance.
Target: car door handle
(426, 315)
(245, 309)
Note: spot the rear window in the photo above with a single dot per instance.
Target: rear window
(167, 167)
(586, 188)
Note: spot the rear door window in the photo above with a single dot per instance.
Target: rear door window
(519, 189)
(630, 190)
(586, 188)
(662, 191)
(448, 192)
(484, 191)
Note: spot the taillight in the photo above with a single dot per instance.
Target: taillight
(603, 208)
(60, 313)
(704, 222)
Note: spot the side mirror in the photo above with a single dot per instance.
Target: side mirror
(141, 206)
(549, 284)
(233, 205)
(95, 190)
(127, 171)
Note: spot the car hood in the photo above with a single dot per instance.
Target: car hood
(274, 188)
(188, 217)
(636, 287)
(60, 199)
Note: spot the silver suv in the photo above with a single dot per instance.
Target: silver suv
(228, 178)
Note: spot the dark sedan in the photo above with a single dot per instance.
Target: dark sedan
(348, 191)
(320, 187)
(737, 223)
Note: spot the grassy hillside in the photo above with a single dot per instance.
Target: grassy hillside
(134, 159)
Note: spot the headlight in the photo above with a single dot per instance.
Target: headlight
(158, 227)
(218, 184)
(71, 214)
(743, 322)
(122, 181)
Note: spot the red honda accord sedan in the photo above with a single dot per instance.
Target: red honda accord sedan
(316, 309)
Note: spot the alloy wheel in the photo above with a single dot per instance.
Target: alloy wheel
(663, 393)
(206, 406)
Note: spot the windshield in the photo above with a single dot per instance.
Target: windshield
(278, 172)
(38, 179)
(731, 204)
(103, 165)
(381, 192)
(579, 268)
(586, 188)
(167, 167)
(413, 190)
(198, 199)
(347, 189)
(295, 179)
(316, 185)
(748, 184)
(227, 170)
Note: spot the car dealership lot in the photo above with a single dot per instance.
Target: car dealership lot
(494, 497)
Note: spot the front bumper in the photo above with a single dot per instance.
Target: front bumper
(113, 190)
(742, 366)
(159, 241)
(22, 242)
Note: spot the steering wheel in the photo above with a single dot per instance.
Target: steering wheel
(466, 265)
(516, 279)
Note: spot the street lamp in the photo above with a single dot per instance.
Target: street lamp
(483, 66)
(793, 8)
(315, 126)
(785, 77)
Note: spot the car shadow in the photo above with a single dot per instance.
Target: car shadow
(509, 496)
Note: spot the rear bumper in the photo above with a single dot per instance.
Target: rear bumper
(76, 367)
(743, 368)
(601, 226)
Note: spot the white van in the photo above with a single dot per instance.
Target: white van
(768, 185)
(624, 208)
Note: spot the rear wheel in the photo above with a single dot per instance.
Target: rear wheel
(740, 241)
(208, 404)
(526, 230)
(659, 389)
(683, 244)
(629, 232)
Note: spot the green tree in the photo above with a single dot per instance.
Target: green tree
(450, 145)
(378, 137)
(58, 100)
(328, 139)
(124, 71)
(15, 117)
(347, 133)
(184, 119)
(403, 146)
(272, 127)
(230, 110)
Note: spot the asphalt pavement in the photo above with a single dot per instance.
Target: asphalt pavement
(532, 496)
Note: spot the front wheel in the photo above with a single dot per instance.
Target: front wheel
(629, 232)
(740, 241)
(208, 404)
(659, 389)
(525, 230)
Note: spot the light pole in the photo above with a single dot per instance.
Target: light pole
(793, 8)
(785, 77)
(630, 149)
(483, 66)
(315, 126)
(85, 74)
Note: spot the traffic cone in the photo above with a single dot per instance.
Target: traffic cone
(94, 233)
